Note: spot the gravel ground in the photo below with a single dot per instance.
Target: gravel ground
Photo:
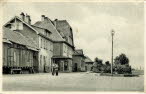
(71, 82)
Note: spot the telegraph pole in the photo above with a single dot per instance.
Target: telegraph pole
(112, 33)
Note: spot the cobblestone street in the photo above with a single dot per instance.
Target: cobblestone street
(71, 82)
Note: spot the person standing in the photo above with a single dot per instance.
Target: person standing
(53, 69)
(56, 69)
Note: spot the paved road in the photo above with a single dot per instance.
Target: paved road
(71, 82)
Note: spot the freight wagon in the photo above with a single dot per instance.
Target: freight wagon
(19, 58)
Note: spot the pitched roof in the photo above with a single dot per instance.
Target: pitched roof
(87, 59)
(37, 29)
(16, 37)
(41, 32)
(78, 52)
(65, 30)
(16, 17)
(55, 36)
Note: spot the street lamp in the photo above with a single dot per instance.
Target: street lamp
(112, 33)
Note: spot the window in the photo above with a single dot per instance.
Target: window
(48, 46)
(47, 34)
(44, 44)
(44, 59)
(41, 43)
(13, 26)
(40, 60)
(51, 47)
(20, 26)
(65, 48)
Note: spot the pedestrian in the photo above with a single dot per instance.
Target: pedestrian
(56, 69)
(53, 69)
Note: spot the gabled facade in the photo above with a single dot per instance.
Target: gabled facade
(46, 49)
(65, 30)
(41, 37)
(62, 50)
(64, 56)
(88, 64)
(19, 25)
(78, 61)
(54, 40)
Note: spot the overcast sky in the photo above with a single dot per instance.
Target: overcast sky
(92, 24)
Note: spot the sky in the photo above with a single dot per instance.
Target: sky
(92, 24)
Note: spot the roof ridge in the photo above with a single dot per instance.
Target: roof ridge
(23, 22)
(56, 37)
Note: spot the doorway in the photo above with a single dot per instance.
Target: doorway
(65, 66)
(76, 67)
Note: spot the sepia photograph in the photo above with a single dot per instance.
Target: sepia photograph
(73, 46)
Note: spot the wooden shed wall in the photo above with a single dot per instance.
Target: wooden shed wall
(18, 57)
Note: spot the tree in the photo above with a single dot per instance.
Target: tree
(107, 63)
(107, 67)
(121, 59)
(97, 62)
(122, 64)
(97, 65)
(96, 59)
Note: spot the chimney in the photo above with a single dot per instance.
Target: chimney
(27, 19)
(22, 16)
(43, 18)
(55, 21)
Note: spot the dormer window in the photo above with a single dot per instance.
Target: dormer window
(16, 25)
(19, 25)
(13, 27)
(47, 33)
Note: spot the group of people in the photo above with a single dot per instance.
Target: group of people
(55, 69)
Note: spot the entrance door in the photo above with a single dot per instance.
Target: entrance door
(65, 66)
(76, 67)
(86, 68)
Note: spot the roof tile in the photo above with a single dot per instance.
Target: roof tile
(49, 26)
(63, 27)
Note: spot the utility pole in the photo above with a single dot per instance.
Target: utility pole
(112, 33)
